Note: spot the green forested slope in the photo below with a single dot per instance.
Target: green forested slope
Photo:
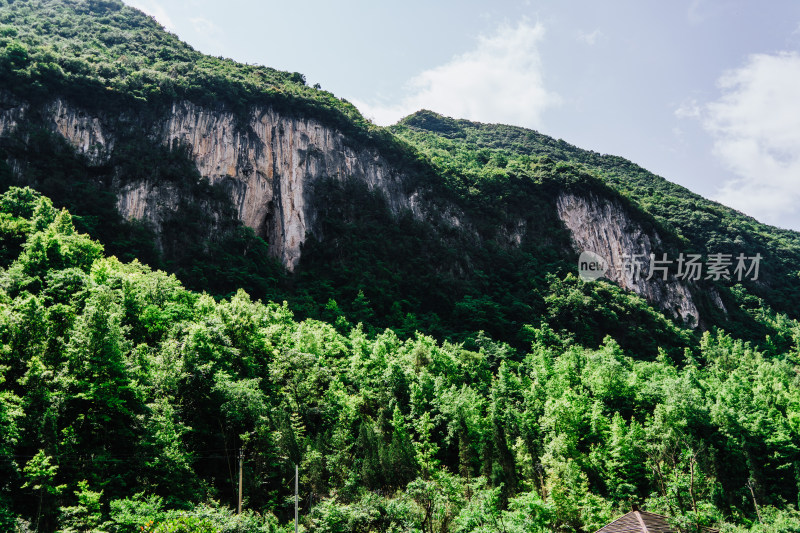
(484, 150)
(125, 399)
(372, 268)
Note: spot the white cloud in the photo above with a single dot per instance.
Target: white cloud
(155, 10)
(689, 109)
(204, 26)
(755, 125)
(499, 81)
(590, 38)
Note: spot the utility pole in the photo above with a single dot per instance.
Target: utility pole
(750, 483)
(241, 460)
(295, 498)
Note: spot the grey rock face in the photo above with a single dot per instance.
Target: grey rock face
(605, 228)
(270, 162)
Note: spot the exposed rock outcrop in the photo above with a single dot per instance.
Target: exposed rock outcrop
(83, 131)
(268, 164)
(604, 227)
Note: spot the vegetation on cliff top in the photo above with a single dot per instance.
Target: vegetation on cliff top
(105, 55)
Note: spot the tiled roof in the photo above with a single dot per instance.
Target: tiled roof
(643, 522)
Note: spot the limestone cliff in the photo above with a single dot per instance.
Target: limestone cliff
(269, 163)
(270, 167)
(604, 227)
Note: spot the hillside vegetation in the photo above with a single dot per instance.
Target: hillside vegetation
(372, 268)
(105, 54)
(126, 399)
(488, 152)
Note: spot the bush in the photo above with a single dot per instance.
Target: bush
(185, 524)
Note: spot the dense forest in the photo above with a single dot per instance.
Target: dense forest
(126, 400)
(420, 379)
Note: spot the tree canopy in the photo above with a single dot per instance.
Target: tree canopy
(126, 399)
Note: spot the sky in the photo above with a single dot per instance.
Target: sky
(704, 93)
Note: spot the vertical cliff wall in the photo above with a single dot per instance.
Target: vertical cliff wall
(269, 164)
(604, 227)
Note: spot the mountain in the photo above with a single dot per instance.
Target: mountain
(434, 332)
(697, 224)
(222, 172)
